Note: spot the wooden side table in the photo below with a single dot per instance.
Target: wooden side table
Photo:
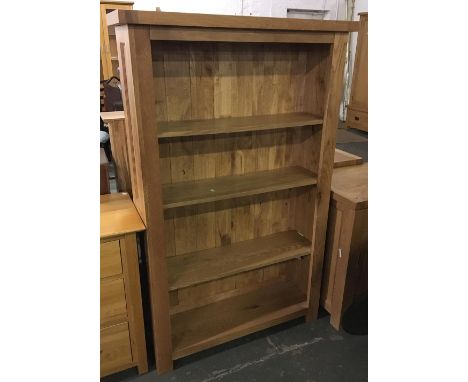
(345, 262)
(122, 329)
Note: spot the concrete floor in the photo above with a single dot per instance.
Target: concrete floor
(294, 351)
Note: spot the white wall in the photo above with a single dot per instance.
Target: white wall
(272, 8)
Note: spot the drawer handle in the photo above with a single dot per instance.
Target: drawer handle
(356, 118)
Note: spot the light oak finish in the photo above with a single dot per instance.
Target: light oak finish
(228, 187)
(345, 272)
(175, 19)
(140, 110)
(108, 43)
(113, 302)
(234, 317)
(116, 352)
(216, 263)
(118, 216)
(122, 329)
(231, 136)
(111, 264)
(118, 139)
(356, 116)
(223, 35)
(235, 124)
(343, 159)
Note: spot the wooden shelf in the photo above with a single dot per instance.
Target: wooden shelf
(228, 187)
(213, 324)
(216, 263)
(235, 124)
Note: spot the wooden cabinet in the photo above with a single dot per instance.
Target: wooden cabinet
(122, 328)
(109, 61)
(345, 270)
(231, 127)
(357, 109)
(118, 139)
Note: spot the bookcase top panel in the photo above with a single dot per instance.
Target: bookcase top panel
(120, 17)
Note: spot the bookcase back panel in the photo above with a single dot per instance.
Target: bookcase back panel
(294, 271)
(210, 156)
(201, 80)
(221, 223)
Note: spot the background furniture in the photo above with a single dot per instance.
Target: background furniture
(109, 61)
(118, 138)
(343, 159)
(122, 329)
(231, 127)
(357, 109)
(345, 270)
(104, 173)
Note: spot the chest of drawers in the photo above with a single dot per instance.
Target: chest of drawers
(122, 328)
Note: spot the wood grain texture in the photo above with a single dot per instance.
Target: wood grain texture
(219, 198)
(228, 187)
(113, 303)
(356, 116)
(324, 173)
(115, 351)
(118, 215)
(134, 302)
(344, 159)
(210, 325)
(120, 17)
(111, 264)
(108, 44)
(118, 139)
(236, 124)
(140, 115)
(349, 186)
(216, 263)
(165, 33)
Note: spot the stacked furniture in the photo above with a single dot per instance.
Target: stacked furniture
(122, 329)
(118, 139)
(231, 125)
(109, 60)
(356, 116)
(345, 270)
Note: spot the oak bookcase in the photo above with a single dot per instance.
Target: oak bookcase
(231, 125)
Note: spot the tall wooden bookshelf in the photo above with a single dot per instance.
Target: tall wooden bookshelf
(231, 136)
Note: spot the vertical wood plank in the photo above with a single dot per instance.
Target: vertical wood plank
(131, 271)
(325, 169)
(140, 111)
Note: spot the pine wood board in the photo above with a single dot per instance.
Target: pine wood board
(200, 328)
(236, 124)
(216, 263)
(228, 187)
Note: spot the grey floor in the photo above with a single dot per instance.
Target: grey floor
(294, 351)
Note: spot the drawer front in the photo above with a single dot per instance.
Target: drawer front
(356, 119)
(113, 304)
(116, 352)
(111, 263)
